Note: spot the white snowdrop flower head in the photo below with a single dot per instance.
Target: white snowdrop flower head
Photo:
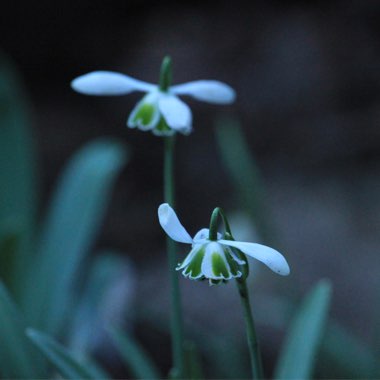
(217, 260)
(160, 110)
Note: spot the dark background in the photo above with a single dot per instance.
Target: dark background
(307, 78)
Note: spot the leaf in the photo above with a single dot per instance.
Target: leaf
(17, 359)
(18, 200)
(244, 174)
(9, 244)
(351, 357)
(71, 225)
(63, 360)
(135, 358)
(97, 306)
(193, 363)
(304, 337)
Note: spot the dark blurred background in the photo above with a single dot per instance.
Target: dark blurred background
(307, 78)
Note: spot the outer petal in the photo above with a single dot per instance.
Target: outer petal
(202, 236)
(210, 91)
(176, 113)
(268, 256)
(108, 83)
(171, 225)
(145, 115)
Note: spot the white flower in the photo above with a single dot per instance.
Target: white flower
(216, 260)
(162, 112)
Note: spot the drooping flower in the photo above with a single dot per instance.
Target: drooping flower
(216, 260)
(160, 110)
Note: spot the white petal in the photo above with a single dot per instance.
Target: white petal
(145, 115)
(171, 225)
(207, 264)
(202, 235)
(211, 91)
(268, 256)
(108, 83)
(176, 113)
(206, 267)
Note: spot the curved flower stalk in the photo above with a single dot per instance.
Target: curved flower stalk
(160, 110)
(217, 260)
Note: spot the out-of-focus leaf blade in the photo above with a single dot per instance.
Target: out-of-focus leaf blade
(304, 337)
(194, 370)
(134, 357)
(17, 357)
(244, 173)
(347, 354)
(71, 225)
(18, 201)
(98, 306)
(63, 360)
(9, 243)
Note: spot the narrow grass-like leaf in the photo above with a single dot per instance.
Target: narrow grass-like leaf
(63, 360)
(9, 244)
(70, 228)
(193, 365)
(349, 357)
(97, 306)
(17, 356)
(304, 337)
(134, 357)
(244, 174)
(18, 203)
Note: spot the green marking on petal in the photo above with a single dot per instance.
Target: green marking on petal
(162, 128)
(217, 282)
(234, 266)
(219, 266)
(193, 269)
(144, 114)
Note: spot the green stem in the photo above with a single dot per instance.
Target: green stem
(176, 311)
(213, 231)
(253, 344)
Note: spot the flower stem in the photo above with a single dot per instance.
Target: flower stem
(253, 344)
(213, 231)
(176, 311)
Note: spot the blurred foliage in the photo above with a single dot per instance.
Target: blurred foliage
(349, 357)
(305, 334)
(40, 268)
(42, 304)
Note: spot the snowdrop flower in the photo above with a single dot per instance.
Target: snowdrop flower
(160, 110)
(218, 260)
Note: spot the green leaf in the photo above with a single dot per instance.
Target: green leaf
(106, 270)
(63, 360)
(193, 363)
(18, 200)
(17, 357)
(69, 231)
(244, 173)
(135, 358)
(9, 243)
(356, 360)
(304, 337)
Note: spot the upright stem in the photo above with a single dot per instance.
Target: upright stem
(176, 311)
(254, 350)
